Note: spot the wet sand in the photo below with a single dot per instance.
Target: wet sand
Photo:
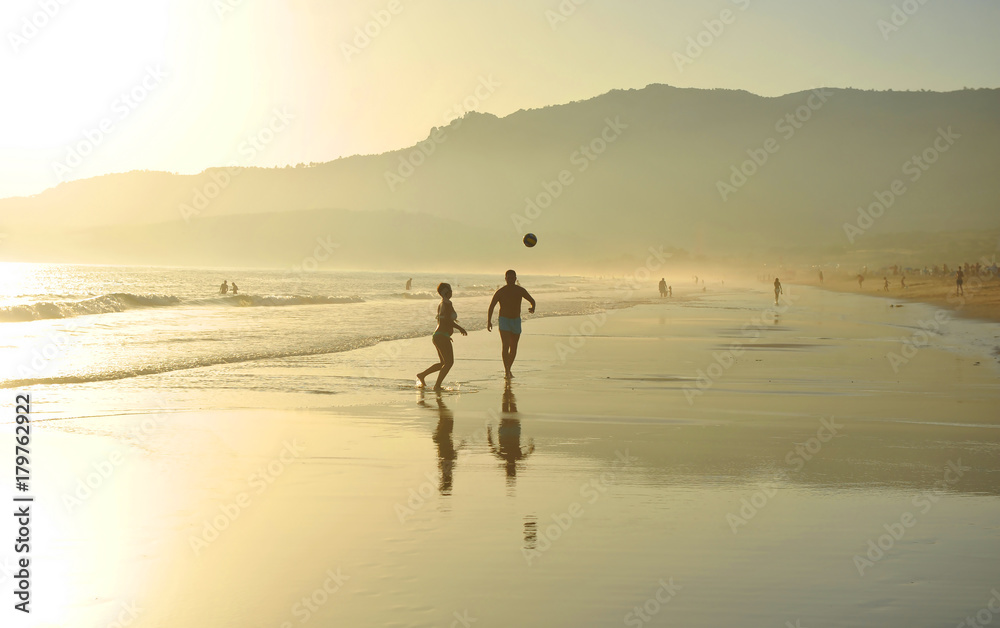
(712, 463)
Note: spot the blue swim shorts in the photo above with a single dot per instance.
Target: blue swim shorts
(512, 325)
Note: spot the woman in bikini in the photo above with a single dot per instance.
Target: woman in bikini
(447, 322)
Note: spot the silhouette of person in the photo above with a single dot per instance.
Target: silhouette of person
(959, 280)
(507, 445)
(821, 276)
(224, 288)
(508, 402)
(902, 281)
(885, 288)
(861, 281)
(663, 287)
(777, 290)
(530, 532)
(236, 289)
(670, 291)
(447, 454)
(409, 283)
(447, 322)
(509, 297)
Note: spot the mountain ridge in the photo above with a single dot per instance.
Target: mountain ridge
(629, 168)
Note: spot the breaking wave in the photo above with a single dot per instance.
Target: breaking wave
(122, 301)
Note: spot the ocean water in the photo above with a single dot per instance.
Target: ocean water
(98, 329)
(65, 324)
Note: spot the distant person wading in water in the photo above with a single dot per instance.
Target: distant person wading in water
(509, 297)
(959, 280)
(777, 290)
(447, 322)
(224, 288)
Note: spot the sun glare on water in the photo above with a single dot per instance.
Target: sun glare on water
(15, 281)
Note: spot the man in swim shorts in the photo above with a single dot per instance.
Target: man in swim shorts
(509, 297)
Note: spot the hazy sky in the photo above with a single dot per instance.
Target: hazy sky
(180, 85)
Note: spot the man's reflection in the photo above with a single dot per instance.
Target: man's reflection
(530, 532)
(509, 402)
(507, 445)
(442, 438)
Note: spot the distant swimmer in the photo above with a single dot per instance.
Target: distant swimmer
(409, 283)
(885, 288)
(777, 290)
(861, 280)
(663, 287)
(509, 297)
(236, 289)
(447, 322)
(959, 280)
(224, 288)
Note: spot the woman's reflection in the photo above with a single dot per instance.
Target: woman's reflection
(442, 438)
(507, 446)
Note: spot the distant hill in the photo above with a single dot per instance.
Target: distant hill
(313, 240)
(668, 156)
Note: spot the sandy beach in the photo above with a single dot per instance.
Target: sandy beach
(980, 298)
(717, 462)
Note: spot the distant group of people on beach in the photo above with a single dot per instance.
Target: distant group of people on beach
(978, 269)
(509, 298)
(665, 290)
(961, 273)
(885, 283)
(225, 288)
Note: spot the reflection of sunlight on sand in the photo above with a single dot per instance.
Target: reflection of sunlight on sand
(77, 554)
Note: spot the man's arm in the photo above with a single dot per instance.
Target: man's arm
(531, 310)
(489, 315)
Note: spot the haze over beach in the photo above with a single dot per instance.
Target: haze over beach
(568, 313)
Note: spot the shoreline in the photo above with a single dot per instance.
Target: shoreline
(981, 300)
